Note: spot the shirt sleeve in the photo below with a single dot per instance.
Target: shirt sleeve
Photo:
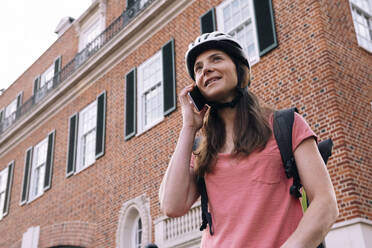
(301, 131)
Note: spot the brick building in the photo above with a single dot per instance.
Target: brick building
(88, 129)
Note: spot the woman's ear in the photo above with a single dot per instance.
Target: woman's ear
(246, 80)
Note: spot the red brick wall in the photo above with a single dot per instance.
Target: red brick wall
(316, 67)
(350, 66)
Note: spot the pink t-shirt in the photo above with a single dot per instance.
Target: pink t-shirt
(249, 198)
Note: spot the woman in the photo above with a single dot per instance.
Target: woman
(240, 161)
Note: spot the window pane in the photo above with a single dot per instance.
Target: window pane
(3, 176)
(235, 14)
(150, 100)
(47, 76)
(153, 105)
(2, 199)
(139, 233)
(11, 108)
(87, 136)
(89, 140)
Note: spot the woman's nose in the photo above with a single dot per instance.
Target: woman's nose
(207, 68)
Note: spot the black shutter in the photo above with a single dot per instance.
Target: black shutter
(49, 161)
(208, 22)
(130, 3)
(57, 68)
(26, 175)
(19, 104)
(265, 26)
(36, 85)
(19, 99)
(169, 77)
(100, 128)
(72, 138)
(8, 188)
(1, 115)
(130, 104)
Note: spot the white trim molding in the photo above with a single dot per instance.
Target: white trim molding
(351, 233)
(180, 232)
(139, 206)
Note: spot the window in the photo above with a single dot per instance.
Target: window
(153, 95)
(11, 109)
(150, 92)
(236, 17)
(38, 169)
(6, 176)
(30, 238)
(362, 16)
(46, 77)
(90, 33)
(47, 80)
(86, 136)
(37, 176)
(137, 233)
(91, 24)
(134, 226)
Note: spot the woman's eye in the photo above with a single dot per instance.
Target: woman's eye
(197, 68)
(216, 58)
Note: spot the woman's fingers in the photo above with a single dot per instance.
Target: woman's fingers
(183, 96)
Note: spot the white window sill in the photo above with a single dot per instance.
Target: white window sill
(365, 48)
(36, 197)
(82, 169)
(147, 128)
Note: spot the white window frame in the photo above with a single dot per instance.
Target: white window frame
(141, 125)
(47, 77)
(249, 21)
(35, 179)
(128, 214)
(367, 13)
(80, 163)
(135, 231)
(95, 24)
(10, 109)
(3, 189)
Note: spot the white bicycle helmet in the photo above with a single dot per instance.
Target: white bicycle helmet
(214, 40)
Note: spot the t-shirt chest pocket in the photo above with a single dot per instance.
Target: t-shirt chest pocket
(268, 169)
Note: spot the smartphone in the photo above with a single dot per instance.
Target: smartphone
(197, 98)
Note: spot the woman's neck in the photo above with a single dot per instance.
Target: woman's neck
(228, 117)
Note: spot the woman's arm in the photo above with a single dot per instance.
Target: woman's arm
(178, 189)
(323, 210)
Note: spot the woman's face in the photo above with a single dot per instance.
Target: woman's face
(215, 76)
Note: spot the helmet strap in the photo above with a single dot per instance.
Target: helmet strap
(231, 104)
(239, 90)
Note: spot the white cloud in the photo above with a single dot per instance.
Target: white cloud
(27, 31)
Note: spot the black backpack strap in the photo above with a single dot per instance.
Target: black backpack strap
(206, 216)
(325, 149)
(283, 124)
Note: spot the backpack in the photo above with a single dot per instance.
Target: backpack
(282, 125)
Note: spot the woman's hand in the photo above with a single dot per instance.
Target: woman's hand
(191, 118)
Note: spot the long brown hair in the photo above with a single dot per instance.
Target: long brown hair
(251, 128)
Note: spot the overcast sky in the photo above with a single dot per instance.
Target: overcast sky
(27, 31)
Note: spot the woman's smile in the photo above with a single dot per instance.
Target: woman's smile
(211, 81)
